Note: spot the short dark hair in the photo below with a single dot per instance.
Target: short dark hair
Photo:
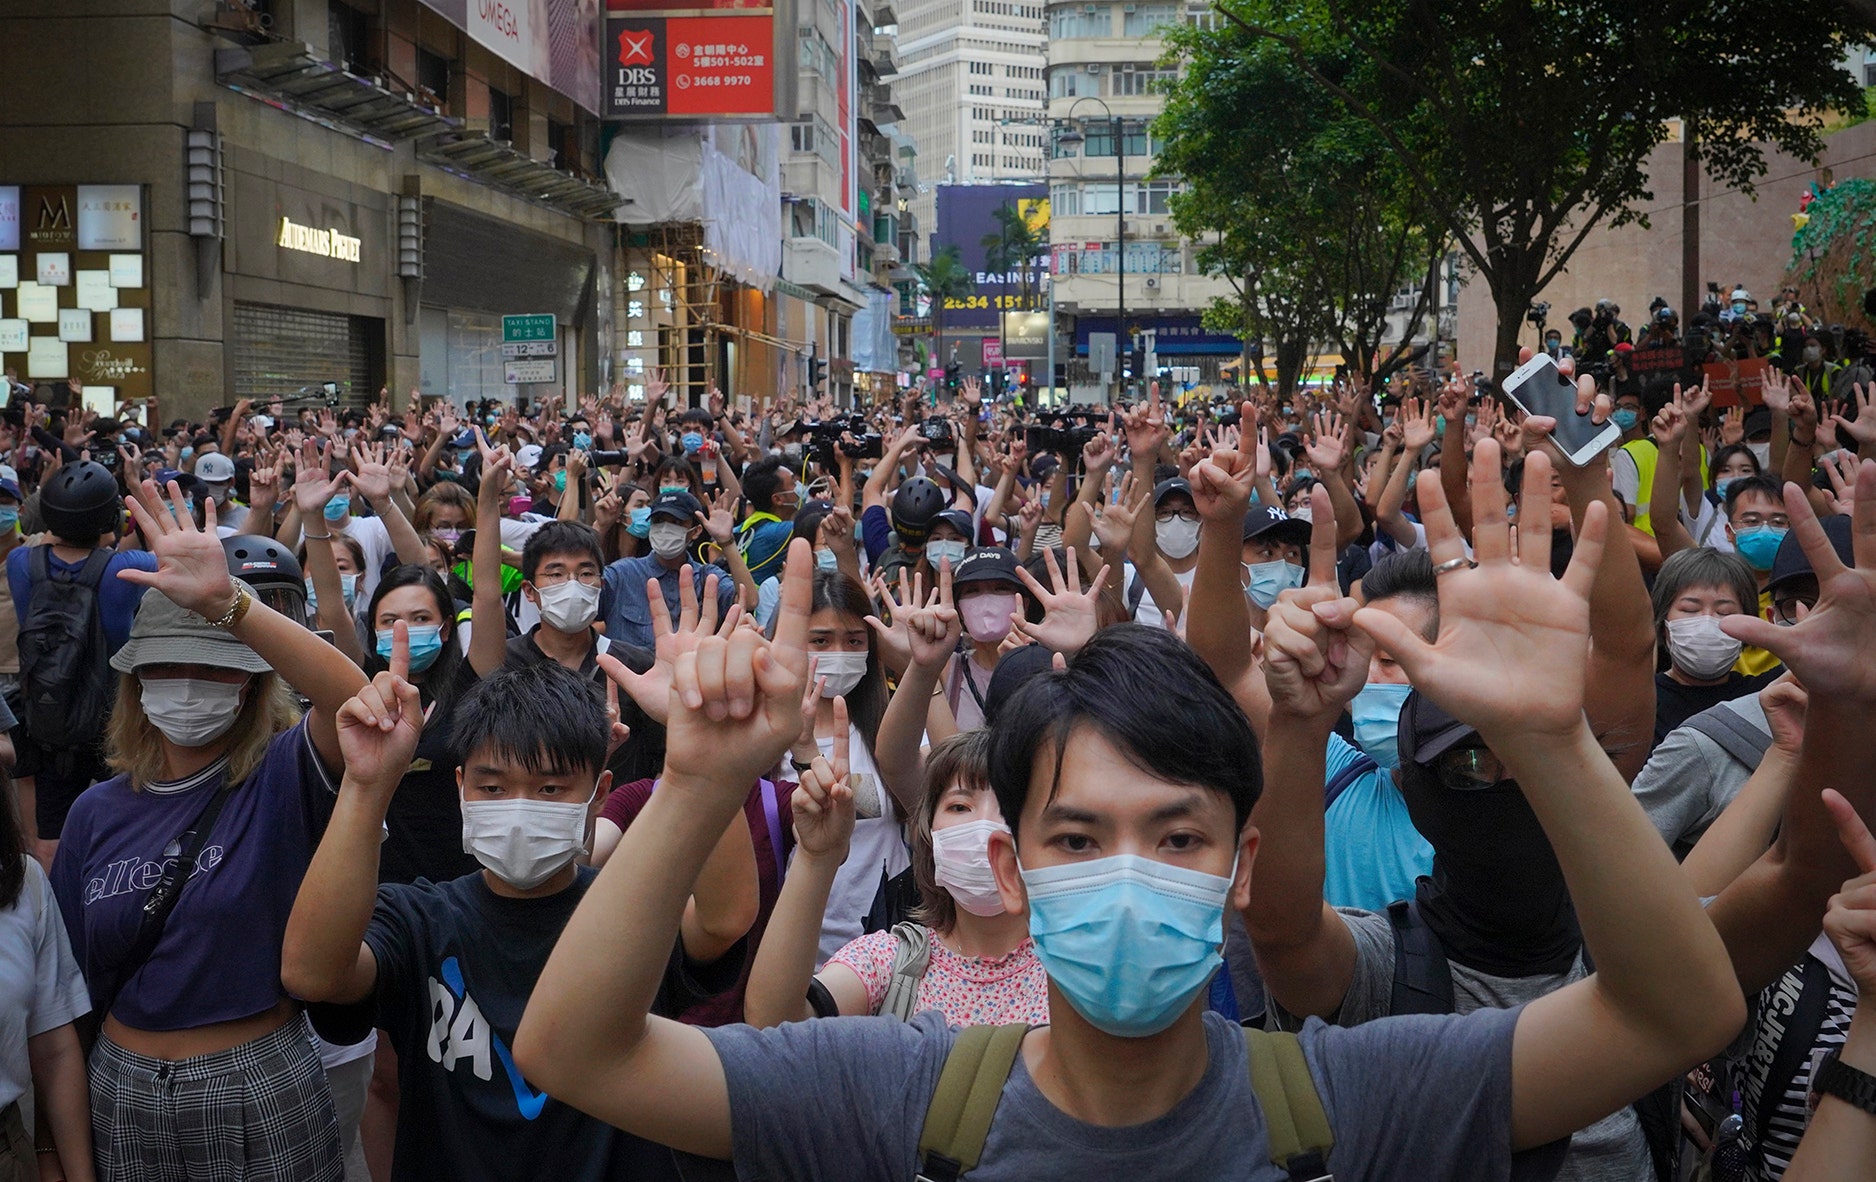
(1147, 693)
(1762, 484)
(560, 537)
(761, 482)
(1405, 574)
(544, 717)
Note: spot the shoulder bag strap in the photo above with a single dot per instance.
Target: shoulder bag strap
(1794, 1045)
(1737, 737)
(911, 955)
(1361, 765)
(957, 1121)
(772, 813)
(1300, 1138)
(1423, 982)
(92, 573)
(162, 898)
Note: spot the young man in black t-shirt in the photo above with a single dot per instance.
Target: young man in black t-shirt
(450, 966)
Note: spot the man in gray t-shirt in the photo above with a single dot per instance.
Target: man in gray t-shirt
(1422, 1097)
(1611, 1150)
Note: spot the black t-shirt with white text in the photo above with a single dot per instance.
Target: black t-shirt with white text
(456, 965)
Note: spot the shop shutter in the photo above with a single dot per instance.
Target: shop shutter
(278, 351)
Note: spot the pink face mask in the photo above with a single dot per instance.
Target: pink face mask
(987, 617)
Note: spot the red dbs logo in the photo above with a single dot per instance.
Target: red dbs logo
(635, 47)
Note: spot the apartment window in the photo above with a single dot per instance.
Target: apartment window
(1101, 140)
(1145, 19)
(1072, 82)
(433, 77)
(1146, 80)
(981, 91)
(1151, 197)
(1083, 20)
(501, 115)
(982, 68)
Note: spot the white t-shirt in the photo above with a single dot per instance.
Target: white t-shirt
(1150, 613)
(878, 849)
(41, 987)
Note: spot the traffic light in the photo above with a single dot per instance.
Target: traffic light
(817, 373)
(954, 373)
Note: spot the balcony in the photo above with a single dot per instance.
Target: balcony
(878, 97)
(289, 76)
(498, 164)
(812, 263)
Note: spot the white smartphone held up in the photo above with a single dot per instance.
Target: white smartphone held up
(1537, 388)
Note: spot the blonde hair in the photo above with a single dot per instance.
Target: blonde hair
(134, 746)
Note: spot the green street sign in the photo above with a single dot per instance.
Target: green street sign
(533, 327)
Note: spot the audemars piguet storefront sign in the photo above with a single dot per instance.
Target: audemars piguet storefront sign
(328, 242)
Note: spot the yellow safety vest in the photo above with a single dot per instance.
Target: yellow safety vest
(1645, 453)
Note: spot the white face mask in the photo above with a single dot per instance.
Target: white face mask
(1177, 538)
(1761, 452)
(939, 549)
(961, 858)
(524, 842)
(192, 713)
(1699, 649)
(842, 670)
(667, 538)
(570, 606)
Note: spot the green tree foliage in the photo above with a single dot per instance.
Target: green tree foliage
(1522, 125)
(1298, 204)
(1015, 245)
(1833, 256)
(944, 278)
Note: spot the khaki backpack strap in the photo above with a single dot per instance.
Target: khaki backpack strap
(957, 1121)
(1300, 1138)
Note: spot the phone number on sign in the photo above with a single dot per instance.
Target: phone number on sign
(716, 80)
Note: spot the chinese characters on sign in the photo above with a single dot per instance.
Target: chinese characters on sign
(718, 65)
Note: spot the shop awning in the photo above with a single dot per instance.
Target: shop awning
(291, 76)
(491, 162)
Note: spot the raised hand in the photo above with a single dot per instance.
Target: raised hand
(1833, 649)
(1417, 427)
(1097, 455)
(1776, 391)
(1670, 423)
(1733, 426)
(1314, 661)
(1851, 921)
(192, 569)
(696, 620)
(894, 639)
(823, 803)
(1113, 522)
(1863, 427)
(735, 698)
(1327, 448)
(1840, 469)
(971, 393)
(1071, 616)
(1502, 619)
(719, 525)
(1221, 485)
(932, 630)
(1145, 427)
(379, 727)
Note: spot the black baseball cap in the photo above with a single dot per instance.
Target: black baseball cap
(1268, 519)
(678, 506)
(1791, 562)
(988, 564)
(1166, 488)
(1426, 732)
(959, 520)
(1758, 422)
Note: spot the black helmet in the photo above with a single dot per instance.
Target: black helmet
(915, 508)
(81, 502)
(271, 570)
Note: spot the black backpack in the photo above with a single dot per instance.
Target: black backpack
(65, 674)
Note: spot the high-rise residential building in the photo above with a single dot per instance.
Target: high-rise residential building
(1103, 75)
(971, 80)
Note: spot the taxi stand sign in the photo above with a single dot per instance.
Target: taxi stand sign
(530, 348)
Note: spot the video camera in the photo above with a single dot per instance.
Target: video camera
(1064, 433)
(825, 446)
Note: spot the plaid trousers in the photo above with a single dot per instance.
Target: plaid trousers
(260, 1112)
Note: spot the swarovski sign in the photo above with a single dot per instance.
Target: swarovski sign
(332, 244)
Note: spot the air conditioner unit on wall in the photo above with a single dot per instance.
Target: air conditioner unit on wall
(1151, 282)
(1094, 67)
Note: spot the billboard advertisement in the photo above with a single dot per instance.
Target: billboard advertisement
(553, 41)
(683, 61)
(967, 214)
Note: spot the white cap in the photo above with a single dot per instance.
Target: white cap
(215, 468)
(264, 422)
(529, 456)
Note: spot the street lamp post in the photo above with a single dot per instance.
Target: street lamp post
(1074, 135)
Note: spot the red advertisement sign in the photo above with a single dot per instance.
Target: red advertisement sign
(707, 64)
(993, 351)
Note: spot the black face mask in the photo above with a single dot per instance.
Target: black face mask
(1496, 899)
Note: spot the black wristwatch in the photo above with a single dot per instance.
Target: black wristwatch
(1837, 1078)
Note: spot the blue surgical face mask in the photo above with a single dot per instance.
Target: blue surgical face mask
(692, 441)
(426, 643)
(9, 518)
(1739, 307)
(348, 585)
(640, 524)
(826, 560)
(1128, 940)
(1759, 545)
(1271, 579)
(582, 439)
(338, 507)
(1626, 419)
(187, 452)
(1722, 484)
(1376, 713)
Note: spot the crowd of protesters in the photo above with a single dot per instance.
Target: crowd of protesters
(1223, 785)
